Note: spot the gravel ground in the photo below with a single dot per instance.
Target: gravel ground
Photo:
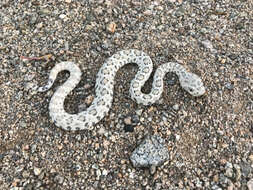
(209, 138)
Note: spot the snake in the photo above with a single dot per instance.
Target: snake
(104, 87)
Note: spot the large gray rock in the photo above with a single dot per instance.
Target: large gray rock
(151, 152)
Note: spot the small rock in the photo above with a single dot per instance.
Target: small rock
(251, 157)
(89, 99)
(66, 44)
(222, 61)
(231, 186)
(26, 147)
(98, 172)
(111, 27)
(1, 156)
(25, 174)
(40, 25)
(29, 77)
(177, 137)
(104, 172)
(250, 184)
(176, 107)
(147, 12)
(216, 178)
(132, 120)
(207, 44)
(78, 137)
(229, 165)
(87, 86)
(102, 131)
(33, 19)
(35, 3)
(99, 10)
(216, 187)
(244, 170)
(131, 175)
(180, 11)
(95, 166)
(99, 49)
(229, 86)
(152, 169)
(203, 30)
(139, 112)
(128, 120)
(68, 1)
(151, 152)
(88, 27)
(215, 74)
(229, 172)
(45, 11)
(62, 16)
(37, 171)
(59, 179)
(135, 119)
(129, 128)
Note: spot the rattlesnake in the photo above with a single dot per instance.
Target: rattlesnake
(105, 84)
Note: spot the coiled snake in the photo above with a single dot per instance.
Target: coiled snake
(105, 85)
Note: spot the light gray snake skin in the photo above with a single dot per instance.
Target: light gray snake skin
(105, 85)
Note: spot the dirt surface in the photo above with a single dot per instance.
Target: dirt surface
(209, 138)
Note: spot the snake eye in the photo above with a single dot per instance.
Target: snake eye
(190, 90)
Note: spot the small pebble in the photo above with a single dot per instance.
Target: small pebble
(132, 120)
(207, 44)
(59, 179)
(40, 25)
(128, 128)
(45, 11)
(251, 158)
(180, 11)
(128, 120)
(102, 131)
(111, 27)
(176, 107)
(88, 100)
(62, 16)
(147, 12)
(152, 169)
(215, 74)
(229, 86)
(25, 174)
(87, 86)
(98, 172)
(177, 137)
(139, 112)
(37, 171)
(229, 172)
(104, 172)
(135, 119)
(250, 184)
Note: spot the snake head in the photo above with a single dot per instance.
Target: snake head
(192, 84)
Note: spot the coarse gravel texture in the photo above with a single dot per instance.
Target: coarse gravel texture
(209, 138)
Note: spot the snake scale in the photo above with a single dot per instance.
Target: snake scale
(105, 85)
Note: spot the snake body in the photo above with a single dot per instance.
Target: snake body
(105, 85)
